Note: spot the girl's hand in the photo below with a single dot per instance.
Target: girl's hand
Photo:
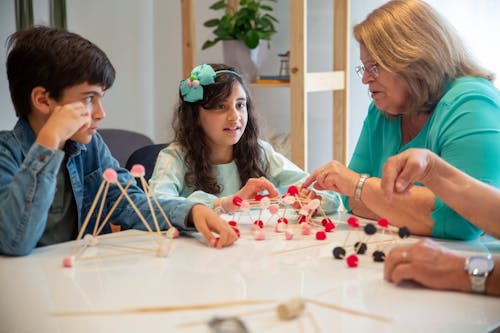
(206, 221)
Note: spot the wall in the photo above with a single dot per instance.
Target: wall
(143, 40)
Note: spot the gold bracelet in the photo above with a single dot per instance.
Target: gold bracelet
(359, 186)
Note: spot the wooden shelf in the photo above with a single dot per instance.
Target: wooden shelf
(272, 84)
(301, 81)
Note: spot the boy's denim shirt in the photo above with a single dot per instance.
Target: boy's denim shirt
(28, 174)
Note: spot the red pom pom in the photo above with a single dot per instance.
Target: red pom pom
(259, 223)
(283, 220)
(326, 221)
(302, 219)
(383, 222)
(353, 221)
(293, 190)
(329, 226)
(237, 201)
(233, 223)
(320, 235)
(352, 260)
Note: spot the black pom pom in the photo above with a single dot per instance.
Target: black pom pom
(404, 232)
(370, 229)
(378, 256)
(339, 252)
(360, 247)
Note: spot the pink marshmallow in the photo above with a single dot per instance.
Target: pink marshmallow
(163, 249)
(259, 235)
(305, 229)
(110, 176)
(172, 233)
(288, 235)
(274, 209)
(137, 171)
(68, 262)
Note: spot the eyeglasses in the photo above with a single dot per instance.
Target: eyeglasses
(372, 71)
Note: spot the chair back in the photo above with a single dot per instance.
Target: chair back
(146, 156)
(122, 143)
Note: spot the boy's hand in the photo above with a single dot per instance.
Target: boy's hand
(207, 221)
(63, 123)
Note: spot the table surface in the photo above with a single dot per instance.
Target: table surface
(110, 287)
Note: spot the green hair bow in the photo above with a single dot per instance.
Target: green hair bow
(192, 87)
(202, 75)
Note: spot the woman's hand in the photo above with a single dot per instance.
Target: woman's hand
(334, 176)
(402, 170)
(427, 263)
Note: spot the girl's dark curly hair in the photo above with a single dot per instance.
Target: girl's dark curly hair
(247, 153)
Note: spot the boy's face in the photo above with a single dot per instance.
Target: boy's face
(91, 98)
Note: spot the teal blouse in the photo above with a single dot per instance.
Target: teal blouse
(464, 129)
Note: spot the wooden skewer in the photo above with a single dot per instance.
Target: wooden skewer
(113, 208)
(314, 322)
(242, 314)
(347, 310)
(160, 208)
(322, 244)
(104, 195)
(87, 218)
(168, 308)
(132, 204)
(103, 256)
(151, 209)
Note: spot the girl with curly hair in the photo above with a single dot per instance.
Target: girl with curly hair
(217, 153)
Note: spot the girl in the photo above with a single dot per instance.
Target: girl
(216, 148)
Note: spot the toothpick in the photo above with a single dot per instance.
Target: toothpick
(349, 311)
(96, 224)
(113, 208)
(168, 308)
(89, 214)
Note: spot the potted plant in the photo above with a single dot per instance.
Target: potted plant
(242, 31)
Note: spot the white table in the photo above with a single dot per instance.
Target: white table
(33, 289)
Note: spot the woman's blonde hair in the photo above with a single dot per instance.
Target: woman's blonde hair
(412, 40)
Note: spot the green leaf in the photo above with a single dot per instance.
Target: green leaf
(251, 39)
(249, 24)
(209, 43)
(218, 5)
(211, 23)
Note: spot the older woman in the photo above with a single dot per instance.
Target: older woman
(427, 93)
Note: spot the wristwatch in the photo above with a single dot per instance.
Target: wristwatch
(478, 268)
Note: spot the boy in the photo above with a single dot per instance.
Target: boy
(51, 163)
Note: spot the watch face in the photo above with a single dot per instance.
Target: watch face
(478, 265)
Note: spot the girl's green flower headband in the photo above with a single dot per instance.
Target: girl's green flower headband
(202, 75)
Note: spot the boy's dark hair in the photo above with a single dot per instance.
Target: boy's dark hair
(247, 153)
(54, 59)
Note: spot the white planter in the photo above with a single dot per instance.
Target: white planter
(248, 62)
